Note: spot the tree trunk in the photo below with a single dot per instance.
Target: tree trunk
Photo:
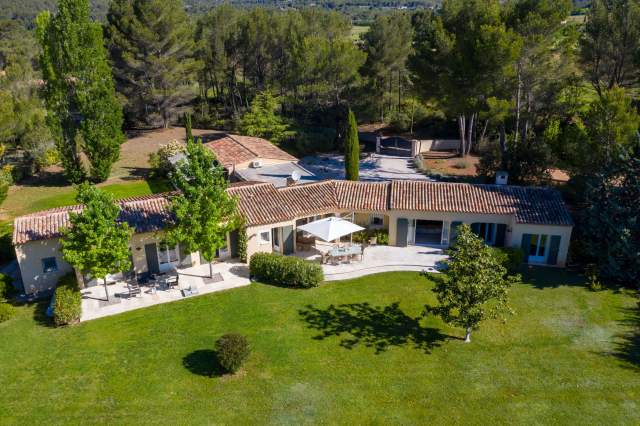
(211, 269)
(462, 122)
(106, 290)
(518, 106)
(503, 139)
(467, 337)
(470, 134)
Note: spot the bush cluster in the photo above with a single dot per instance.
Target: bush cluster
(6, 311)
(287, 271)
(68, 301)
(232, 350)
(382, 236)
(5, 287)
(159, 160)
(510, 257)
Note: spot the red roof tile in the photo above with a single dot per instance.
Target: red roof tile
(262, 203)
(236, 149)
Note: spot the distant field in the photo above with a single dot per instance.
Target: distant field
(358, 30)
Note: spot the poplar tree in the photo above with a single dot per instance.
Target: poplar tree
(79, 91)
(351, 149)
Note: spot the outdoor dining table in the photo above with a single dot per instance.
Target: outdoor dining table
(339, 252)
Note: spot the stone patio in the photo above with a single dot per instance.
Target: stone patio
(95, 305)
(382, 259)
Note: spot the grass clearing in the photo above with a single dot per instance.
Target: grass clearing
(355, 351)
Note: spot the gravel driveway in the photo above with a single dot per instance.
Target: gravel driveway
(376, 167)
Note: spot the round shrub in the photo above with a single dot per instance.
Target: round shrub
(232, 350)
(287, 271)
(68, 302)
(6, 312)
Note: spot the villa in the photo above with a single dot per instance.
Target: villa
(415, 214)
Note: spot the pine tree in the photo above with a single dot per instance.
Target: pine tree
(151, 46)
(204, 212)
(351, 149)
(96, 243)
(262, 119)
(79, 92)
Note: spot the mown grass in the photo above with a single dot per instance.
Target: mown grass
(354, 352)
(29, 199)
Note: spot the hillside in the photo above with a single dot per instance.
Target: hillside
(360, 10)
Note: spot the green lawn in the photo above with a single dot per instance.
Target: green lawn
(27, 199)
(348, 352)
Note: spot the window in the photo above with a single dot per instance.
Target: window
(49, 264)
(376, 220)
(264, 237)
(486, 231)
(538, 247)
(167, 254)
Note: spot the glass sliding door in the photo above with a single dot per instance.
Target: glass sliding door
(538, 248)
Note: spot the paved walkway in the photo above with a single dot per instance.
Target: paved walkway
(382, 259)
(227, 275)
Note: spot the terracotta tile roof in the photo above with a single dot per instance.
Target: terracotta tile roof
(262, 203)
(145, 214)
(236, 149)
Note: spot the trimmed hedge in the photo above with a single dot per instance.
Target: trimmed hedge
(6, 312)
(287, 271)
(232, 350)
(68, 304)
(510, 257)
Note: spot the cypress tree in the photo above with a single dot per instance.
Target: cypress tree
(187, 126)
(79, 91)
(351, 149)
(152, 46)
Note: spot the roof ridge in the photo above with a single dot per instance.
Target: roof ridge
(243, 145)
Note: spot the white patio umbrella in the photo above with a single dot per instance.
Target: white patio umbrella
(331, 228)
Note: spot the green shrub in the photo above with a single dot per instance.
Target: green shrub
(159, 160)
(382, 236)
(6, 311)
(5, 287)
(232, 350)
(510, 257)
(461, 164)
(287, 271)
(68, 301)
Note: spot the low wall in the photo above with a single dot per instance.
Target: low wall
(426, 145)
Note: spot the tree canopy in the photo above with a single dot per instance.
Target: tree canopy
(476, 284)
(96, 243)
(204, 212)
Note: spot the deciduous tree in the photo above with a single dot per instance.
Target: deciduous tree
(476, 284)
(204, 212)
(96, 242)
(79, 92)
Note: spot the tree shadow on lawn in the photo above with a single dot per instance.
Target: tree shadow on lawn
(376, 327)
(542, 277)
(627, 348)
(203, 362)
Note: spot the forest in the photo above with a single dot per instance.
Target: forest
(520, 83)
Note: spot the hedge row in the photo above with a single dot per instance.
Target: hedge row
(68, 303)
(287, 271)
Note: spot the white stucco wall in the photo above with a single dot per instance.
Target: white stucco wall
(30, 255)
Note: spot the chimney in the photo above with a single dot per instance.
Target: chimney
(502, 178)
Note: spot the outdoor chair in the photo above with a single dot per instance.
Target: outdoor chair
(134, 289)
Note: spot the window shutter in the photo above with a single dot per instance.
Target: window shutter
(454, 231)
(526, 242)
(185, 258)
(500, 234)
(552, 259)
(401, 232)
